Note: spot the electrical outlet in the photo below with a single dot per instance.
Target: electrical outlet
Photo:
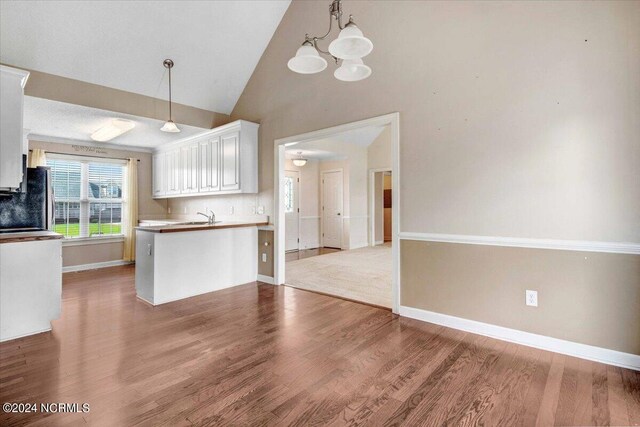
(531, 298)
(260, 210)
(184, 210)
(169, 209)
(264, 257)
(230, 210)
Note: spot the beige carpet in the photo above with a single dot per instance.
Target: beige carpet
(360, 274)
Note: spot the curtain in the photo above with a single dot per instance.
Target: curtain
(37, 158)
(131, 211)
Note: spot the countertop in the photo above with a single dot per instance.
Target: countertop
(29, 236)
(174, 228)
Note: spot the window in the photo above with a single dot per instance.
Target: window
(88, 196)
(288, 194)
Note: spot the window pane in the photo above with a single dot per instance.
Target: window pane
(105, 181)
(288, 194)
(66, 220)
(66, 178)
(105, 218)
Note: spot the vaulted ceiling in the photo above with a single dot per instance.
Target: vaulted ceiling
(121, 44)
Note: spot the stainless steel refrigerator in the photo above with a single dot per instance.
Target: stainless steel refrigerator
(30, 209)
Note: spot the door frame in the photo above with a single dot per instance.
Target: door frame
(372, 202)
(299, 222)
(392, 119)
(322, 202)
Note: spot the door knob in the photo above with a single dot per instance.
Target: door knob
(338, 213)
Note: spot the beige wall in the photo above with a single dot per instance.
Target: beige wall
(590, 298)
(517, 119)
(56, 88)
(148, 208)
(505, 111)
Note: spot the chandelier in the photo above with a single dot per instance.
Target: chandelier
(347, 50)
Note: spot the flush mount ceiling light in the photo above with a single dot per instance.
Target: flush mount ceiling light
(350, 47)
(169, 126)
(116, 127)
(299, 161)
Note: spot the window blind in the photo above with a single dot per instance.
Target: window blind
(88, 196)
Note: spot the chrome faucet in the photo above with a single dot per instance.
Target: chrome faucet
(211, 219)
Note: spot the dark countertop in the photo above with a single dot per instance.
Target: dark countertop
(198, 227)
(29, 236)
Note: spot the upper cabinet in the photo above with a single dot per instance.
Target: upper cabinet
(223, 160)
(11, 132)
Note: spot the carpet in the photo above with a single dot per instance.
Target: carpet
(360, 274)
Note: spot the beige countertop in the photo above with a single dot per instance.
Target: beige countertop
(29, 236)
(174, 228)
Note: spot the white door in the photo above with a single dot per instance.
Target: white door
(332, 209)
(230, 161)
(208, 165)
(291, 210)
(189, 168)
(159, 175)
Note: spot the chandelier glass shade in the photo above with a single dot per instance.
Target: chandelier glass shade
(307, 60)
(351, 44)
(352, 70)
(347, 50)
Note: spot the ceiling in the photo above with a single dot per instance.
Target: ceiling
(340, 146)
(76, 122)
(121, 44)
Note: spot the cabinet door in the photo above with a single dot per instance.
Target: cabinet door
(208, 168)
(230, 155)
(189, 168)
(11, 148)
(159, 175)
(172, 166)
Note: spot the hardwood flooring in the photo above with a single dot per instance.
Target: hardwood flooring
(263, 355)
(308, 253)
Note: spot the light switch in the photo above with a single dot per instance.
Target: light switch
(149, 249)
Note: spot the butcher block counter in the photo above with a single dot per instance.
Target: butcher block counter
(181, 260)
(29, 236)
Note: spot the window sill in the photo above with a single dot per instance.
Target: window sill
(82, 241)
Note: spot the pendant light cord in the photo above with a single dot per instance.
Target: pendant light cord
(170, 116)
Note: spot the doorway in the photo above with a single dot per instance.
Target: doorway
(292, 210)
(380, 206)
(356, 220)
(332, 208)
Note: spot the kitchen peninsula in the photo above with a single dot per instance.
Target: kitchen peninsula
(176, 261)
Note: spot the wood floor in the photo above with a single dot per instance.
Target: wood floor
(308, 253)
(264, 355)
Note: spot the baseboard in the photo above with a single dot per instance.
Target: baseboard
(95, 265)
(518, 242)
(378, 242)
(26, 335)
(266, 279)
(583, 351)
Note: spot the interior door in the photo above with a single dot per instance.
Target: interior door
(291, 210)
(332, 209)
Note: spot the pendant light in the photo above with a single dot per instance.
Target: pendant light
(169, 126)
(299, 161)
(350, 47)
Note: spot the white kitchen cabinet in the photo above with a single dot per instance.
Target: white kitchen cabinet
(172, 170)
(189, 168)
(30, 287)
(208, 167)
(223, 160)
(12, 82)
(230, 156)
(159, 179)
